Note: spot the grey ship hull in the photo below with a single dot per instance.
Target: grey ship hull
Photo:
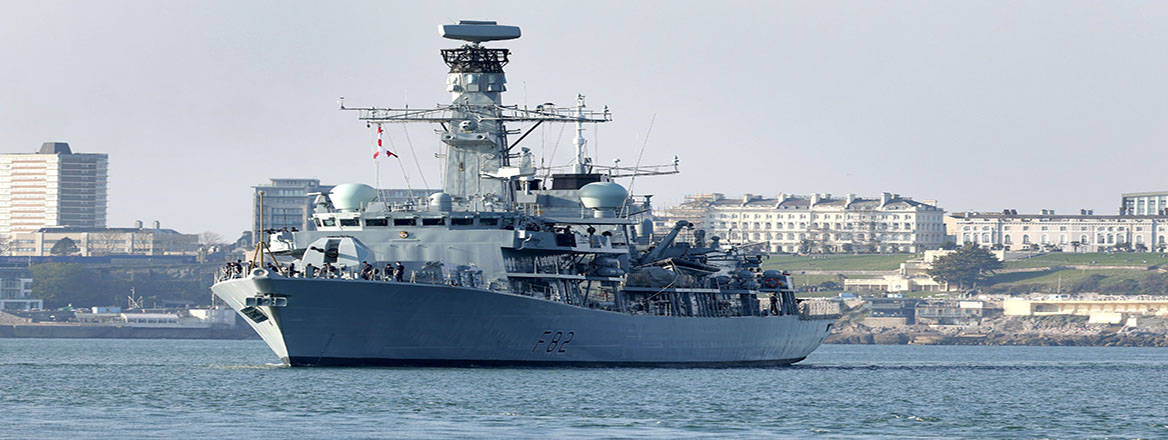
(356, 322)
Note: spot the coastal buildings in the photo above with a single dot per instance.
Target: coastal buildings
(813, 223)
(1098, 310)
(287, 202)
(52, 187)
(949, 312)
(912, 276)
(1084, 232)
(1144, 203)
(92, 242)
(16, 288)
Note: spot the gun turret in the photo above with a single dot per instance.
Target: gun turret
(659, 250)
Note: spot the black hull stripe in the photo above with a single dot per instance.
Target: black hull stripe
(383, 362)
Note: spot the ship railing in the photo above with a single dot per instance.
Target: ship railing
(815, 308)
(224, 274)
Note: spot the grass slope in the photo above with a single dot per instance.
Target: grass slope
(836, 262)
(1091, 259)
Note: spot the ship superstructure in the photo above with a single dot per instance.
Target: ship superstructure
(510, 265)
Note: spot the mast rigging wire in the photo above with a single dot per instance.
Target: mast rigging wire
(640, 155)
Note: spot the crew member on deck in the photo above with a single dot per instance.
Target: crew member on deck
(399, 271)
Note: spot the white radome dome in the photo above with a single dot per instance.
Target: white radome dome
(352, 196)
(603, 195)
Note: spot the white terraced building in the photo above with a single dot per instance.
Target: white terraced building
(1084, 232)
(888, 223)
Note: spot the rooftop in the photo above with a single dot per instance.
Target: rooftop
(1145, 194)
(803, 202)
(74, 229)
(55, 148)
(999, 215)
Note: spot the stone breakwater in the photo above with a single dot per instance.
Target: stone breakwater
(1064, 331)
(1102, 339)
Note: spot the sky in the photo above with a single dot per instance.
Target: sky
(982, 106)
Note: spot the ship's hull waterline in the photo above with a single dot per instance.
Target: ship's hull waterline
(357, 322)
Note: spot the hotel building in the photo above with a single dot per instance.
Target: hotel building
(817, 222)
(52, 187)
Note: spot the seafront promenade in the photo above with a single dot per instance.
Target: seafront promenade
(12, 326)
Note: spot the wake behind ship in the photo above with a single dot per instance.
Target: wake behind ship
(512, 264)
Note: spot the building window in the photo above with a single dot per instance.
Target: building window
(1025, 238)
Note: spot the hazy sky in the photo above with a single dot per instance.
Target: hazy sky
(980, 105)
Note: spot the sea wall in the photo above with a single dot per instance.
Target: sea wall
(122, 332)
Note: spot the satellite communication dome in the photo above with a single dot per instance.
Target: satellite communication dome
(603, 195)
(441, 202)
(352, 196)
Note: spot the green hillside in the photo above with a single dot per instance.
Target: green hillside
(836, 262)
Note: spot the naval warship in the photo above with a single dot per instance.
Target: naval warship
(512, 263)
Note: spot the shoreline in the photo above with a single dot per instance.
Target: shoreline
(1101, 339)
(80, 331)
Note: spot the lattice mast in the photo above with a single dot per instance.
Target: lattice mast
(478, 169)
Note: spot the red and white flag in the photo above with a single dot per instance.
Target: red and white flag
(381, 151)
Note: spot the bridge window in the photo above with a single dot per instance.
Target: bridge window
(462, 221)
(330, 221)
(433, 222)
(488, 221)
(404, 222)
(350, 222)
(376, 222)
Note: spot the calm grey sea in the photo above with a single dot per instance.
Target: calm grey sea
(54, 388)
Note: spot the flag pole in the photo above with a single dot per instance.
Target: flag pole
(377, 164)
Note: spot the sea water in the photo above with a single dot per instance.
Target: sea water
(55, 388)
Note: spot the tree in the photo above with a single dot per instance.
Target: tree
(211, 238)
(64, 246)
(847, 247)
(965, 267)
(65, 283)
(805, 246)
(104, 243)
(949, 245)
